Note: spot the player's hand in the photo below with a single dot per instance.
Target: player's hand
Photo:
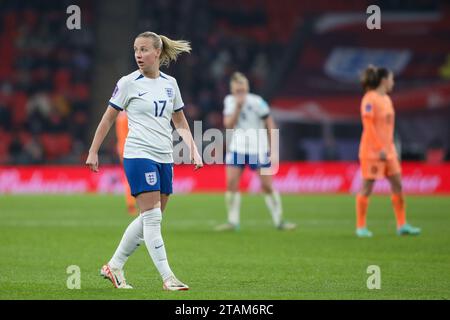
(92, 161)
(383, 156)
(197, 161)
(274, 160)
(240, 99)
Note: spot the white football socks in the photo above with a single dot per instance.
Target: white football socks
(154, 242)
(131, 239)
(273, 202)
(233, 202)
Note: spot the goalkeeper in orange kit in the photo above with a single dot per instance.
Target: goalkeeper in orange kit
(121, 134)
(377, 153)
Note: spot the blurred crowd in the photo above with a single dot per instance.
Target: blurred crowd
(203, 76)
(46, 71)
(44, 82)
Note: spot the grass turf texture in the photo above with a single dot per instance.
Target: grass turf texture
(42, 235)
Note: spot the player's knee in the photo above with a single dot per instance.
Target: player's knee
(149, 207)
(232, 185)
(267, 188)
(146, 208)
(397, 188)
(366, 191)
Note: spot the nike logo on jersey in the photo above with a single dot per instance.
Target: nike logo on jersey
(141, 94)
(159, 246)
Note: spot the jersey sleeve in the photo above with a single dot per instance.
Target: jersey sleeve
(368, 120)
(228, 106)
(263, 109)
(119, 99)
(178, 103)
(367, 108)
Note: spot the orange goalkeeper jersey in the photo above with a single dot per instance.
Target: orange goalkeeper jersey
(378, 117)
(121, 132)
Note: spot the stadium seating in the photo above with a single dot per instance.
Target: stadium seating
(45, 81)
(322, 83)
(43, 76)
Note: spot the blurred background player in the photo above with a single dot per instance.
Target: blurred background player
(246, 111)
(152, 100)
(377, 153)
(121, 134)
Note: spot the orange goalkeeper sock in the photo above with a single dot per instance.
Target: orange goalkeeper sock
(398, 202)
(362, 203)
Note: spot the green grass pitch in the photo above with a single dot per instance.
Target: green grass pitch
(40, 236)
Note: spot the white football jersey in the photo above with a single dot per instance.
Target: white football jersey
(250, 133)
(149, 104)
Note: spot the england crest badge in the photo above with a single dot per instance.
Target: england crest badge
(169, 92)
(151, 178)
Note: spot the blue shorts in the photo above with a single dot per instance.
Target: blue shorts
(146, 175)
(252, 160)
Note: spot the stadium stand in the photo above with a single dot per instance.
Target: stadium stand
(322, 86)
(303, 56)
(44, 82)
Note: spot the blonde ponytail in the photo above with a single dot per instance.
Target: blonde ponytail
(170, 49)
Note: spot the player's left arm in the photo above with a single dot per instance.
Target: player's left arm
(271, 137)
(182, 126)
(264, 113)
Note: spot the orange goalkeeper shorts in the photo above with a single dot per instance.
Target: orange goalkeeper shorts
(377, 169)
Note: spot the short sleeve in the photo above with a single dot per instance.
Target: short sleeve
(228, 106)
(178, 100)
(367, 108)
(119, 98)
(263, 109)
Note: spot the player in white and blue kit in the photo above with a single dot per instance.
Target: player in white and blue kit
(151, 100)
(248, 115)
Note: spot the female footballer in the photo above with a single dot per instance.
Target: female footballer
(377, 153)
(246, 114)
(151, 100)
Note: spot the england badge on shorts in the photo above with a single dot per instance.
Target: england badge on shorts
(151, 178)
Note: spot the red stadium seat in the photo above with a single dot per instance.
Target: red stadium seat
(56, 145)
(5, 141)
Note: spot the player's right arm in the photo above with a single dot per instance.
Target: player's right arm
(368, 121)
(103, 128)
(117, 103)
(231, 116)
